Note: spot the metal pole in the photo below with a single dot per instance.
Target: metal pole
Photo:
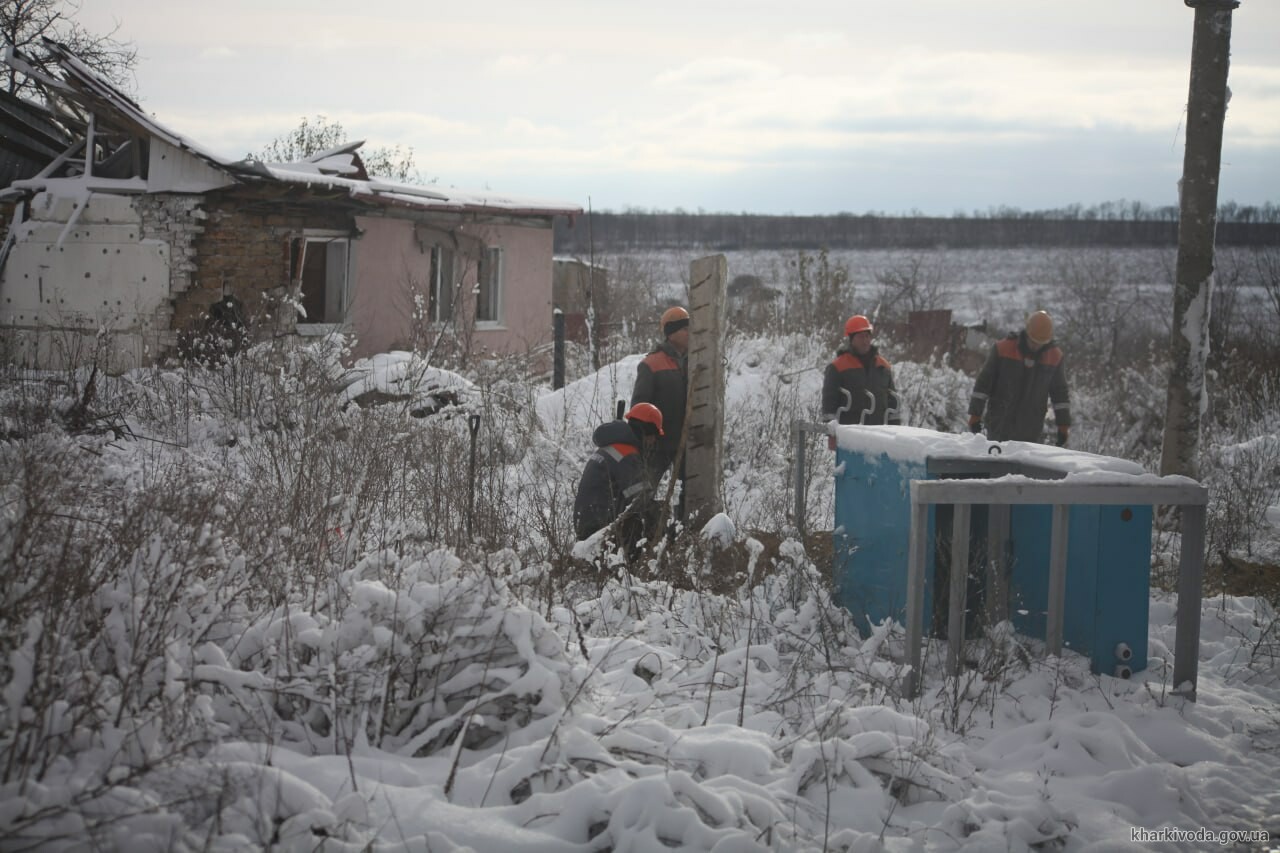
(1186, 638)
(1057, 578)
(997, 555)
(473, 424)
(916, 551)
(800, 438)
(557, 332)
(959, 585)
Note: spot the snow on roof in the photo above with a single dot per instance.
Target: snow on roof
(332, 171)
(336, 167)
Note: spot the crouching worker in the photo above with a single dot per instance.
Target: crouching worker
(616, 485)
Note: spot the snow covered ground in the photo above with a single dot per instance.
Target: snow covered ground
(388, 693)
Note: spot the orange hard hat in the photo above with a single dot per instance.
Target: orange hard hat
(674, 313)
(857, 323)
(647, 412)
(674, 319)
(1040, 328)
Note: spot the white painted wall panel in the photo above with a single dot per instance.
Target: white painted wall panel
(102, 276)
(171, 169)
(103, 208)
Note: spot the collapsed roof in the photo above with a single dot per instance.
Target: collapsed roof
(103, 141)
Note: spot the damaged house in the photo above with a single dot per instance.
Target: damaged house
(134, 236)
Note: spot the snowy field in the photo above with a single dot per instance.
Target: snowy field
(991, 285)
(267, 645)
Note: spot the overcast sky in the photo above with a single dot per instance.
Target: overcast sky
(763, 106)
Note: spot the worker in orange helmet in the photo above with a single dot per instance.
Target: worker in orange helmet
(663, 380)
(617, 483)
(857, 387)
(1023, 373)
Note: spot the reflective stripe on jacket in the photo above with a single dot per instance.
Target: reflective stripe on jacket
(859, 375)
(662, 379)
(613, 477)
(1015, 386)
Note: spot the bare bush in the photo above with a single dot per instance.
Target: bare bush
(638, 290)
(1241, 462)
(819, 295)
(1102, 314)
(915, 284)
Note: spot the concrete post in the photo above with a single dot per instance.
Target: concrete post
(1197, 222)
(704, 447)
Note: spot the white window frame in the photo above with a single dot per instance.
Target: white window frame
(442, 275)
(489, 274)
(338, 249)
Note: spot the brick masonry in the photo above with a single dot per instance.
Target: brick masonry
(231, 245)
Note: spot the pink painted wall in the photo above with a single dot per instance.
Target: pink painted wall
(526, 289)
(389, 265)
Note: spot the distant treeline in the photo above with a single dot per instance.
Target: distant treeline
(1112, 224)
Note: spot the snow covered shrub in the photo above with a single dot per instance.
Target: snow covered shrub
(282, 587)
(410, 653)
(1122, 413)
(271, 386)
(29, 403)
(932, 396)
(541, 504)
(1240, 460)
(766, 396)
(113, 576)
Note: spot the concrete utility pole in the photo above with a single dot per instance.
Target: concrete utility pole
(1197, 222)
(704, 448)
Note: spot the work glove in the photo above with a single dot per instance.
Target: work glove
(975, 423)
(1062, 436)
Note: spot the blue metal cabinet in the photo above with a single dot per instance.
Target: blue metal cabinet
(1108, 596)
(872, 532)
(1108, 556)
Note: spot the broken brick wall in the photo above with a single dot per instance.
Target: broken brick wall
(242, 250)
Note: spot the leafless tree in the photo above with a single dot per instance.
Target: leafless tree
(321, 133)
(24, 24)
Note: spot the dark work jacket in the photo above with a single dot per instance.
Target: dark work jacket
(614, 476)
(662, 379)
(858, 375)
(1014, 387)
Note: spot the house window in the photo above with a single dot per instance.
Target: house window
(319, 265)
(489, 287)
(441, 290)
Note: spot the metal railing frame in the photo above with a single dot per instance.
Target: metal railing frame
(1181, 492)
(800, 430)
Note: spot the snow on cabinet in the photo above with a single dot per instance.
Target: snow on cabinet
(1103, 610)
